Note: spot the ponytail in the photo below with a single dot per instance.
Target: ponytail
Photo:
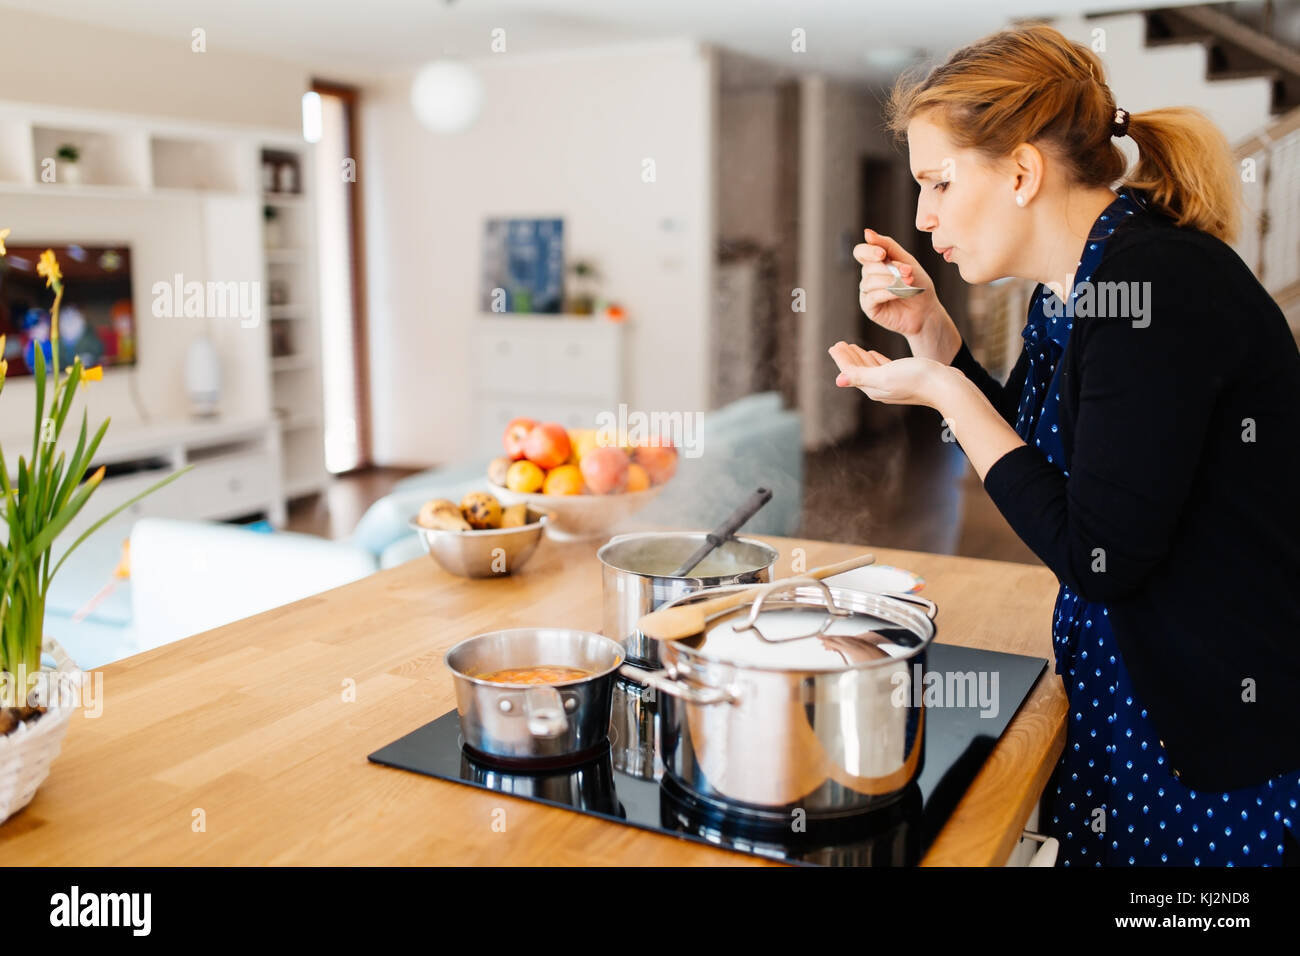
(1186, 170)
(1031, 84)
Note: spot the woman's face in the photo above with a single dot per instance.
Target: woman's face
(967, 204)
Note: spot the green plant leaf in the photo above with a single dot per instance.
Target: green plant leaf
(69, 393)
(115, 512)
(77, 468)
(45, 537)
(50, 487)
(40, 399)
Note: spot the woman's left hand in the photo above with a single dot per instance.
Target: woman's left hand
(905, 381)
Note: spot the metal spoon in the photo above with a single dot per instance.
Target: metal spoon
(900, 288)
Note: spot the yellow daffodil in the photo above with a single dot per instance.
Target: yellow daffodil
(123, 569)
(4, 234)
(93, 374)
(49, 267)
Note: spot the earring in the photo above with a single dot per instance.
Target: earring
(1020, 199)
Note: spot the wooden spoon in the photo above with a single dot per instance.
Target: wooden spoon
(674, 623)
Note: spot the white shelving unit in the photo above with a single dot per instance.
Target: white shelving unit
(289, 231)
(213, 173)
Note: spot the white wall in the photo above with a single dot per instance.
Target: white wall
(560, 135)
(60, 62)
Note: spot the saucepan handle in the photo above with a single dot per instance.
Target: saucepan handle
(545, 712)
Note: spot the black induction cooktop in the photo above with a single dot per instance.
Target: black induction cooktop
(957, 741)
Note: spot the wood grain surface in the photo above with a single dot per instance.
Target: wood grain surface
(247, 744)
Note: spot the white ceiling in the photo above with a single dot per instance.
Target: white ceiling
(351, 39)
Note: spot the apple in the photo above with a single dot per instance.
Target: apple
(605, 470)
(547, 445)
(659, 461)
(515, 435)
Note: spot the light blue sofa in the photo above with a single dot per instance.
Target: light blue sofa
(751, 443)
(188, 576)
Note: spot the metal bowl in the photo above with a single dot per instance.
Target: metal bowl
(490, 553)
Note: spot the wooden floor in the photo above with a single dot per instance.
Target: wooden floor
(904, 489)
(335, 513)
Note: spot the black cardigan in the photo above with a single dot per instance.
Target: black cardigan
(1183, 439)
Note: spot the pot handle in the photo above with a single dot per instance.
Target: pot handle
(931, 609)
(833, 610)
(666, 681)
(545, 712)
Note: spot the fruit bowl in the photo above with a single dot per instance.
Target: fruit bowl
(486, 553)
(581, 516)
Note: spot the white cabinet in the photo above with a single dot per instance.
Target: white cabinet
(236, 472)
(561, 369)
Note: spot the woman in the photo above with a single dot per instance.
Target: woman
(1144, 446)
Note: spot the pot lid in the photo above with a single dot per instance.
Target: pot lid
(792, 630)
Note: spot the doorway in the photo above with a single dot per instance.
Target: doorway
(341, 270)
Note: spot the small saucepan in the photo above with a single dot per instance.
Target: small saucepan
(535, 693)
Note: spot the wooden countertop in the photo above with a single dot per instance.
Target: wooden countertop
(239, 745)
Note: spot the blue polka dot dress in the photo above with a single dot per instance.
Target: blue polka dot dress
(1113, 799)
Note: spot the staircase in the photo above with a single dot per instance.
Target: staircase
(1270, 240)
(1237, 43)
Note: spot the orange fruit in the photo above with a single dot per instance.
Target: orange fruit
(524, 476)
(581, 440)
(638, 479)
(563, 480)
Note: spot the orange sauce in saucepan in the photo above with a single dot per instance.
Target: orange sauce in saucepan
(535, 675)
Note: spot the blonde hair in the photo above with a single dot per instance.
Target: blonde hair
(1031, 84)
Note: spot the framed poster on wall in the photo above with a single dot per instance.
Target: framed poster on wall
(523, 265)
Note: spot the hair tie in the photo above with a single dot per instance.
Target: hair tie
(1119, 127)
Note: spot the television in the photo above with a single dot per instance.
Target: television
(96, 316)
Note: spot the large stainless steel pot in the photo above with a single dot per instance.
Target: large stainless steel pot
(534, 721)
(807, 698)
(637, 579)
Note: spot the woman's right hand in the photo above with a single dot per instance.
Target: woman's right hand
(921, 318)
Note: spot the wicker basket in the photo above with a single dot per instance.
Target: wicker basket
(27, 753)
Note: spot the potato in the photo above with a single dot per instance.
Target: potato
(441, 513)
(481, 510)
(497, 469)
(516, 516)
